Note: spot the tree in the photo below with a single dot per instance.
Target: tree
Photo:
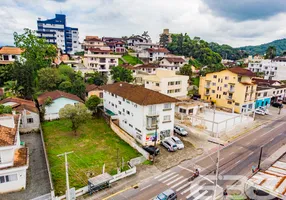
(48, 78)
(6, 73)
(78, 87)
(79, 53)
(5, 109)
(92, 103)
(97, 79)
(12, 88)
(270, 52)
(37, 53)
(66, 86)
(23, 74)
(67, 71)
(77, 114)
(164, 40)
(187, 71)
(121, 74)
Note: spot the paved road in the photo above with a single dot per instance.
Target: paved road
(236, 158)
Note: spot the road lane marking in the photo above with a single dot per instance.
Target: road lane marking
(170, 178)
(238, 162)
(145, 187)
(121, 191)
(177, 184)
(162, 178)
(186, 168)
(250, 153)
(209, 198)
(164, 173)
(201, 195)
(201, 187)
(271, 140)
(221, 159)
(189, 188)
(183, 186)
(173, 181)
(231, 153)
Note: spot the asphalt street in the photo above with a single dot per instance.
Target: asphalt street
(236, 158)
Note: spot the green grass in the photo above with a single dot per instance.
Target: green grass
(94, 145)
(120, 62)
(132, 60)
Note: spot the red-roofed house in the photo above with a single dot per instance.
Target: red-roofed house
(14, 158)
(173, 63)
(29, 113)
(93, 89)
(60, 99)
(9, 54)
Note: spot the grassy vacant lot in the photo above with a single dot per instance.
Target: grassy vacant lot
(94, 145)
(132, 60)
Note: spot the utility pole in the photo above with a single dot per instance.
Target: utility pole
(67, 173)
(259, 161)
(155, 142)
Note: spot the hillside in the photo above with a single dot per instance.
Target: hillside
(261, 49)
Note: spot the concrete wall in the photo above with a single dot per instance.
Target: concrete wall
(25, 126)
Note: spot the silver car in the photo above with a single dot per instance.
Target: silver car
(169, 144)
(180, 130)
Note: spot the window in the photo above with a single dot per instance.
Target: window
(178, 82)
(229, 102)
(182, 110)
(8, 178)
(167, 106)
(13, 56)
(171, 83)
(213, 91)
(127, 112)
(30, 120)
(130, 125)
(225, 85)
(226, 77)
(224, 93)
(217, 88)
(177, 90)
(237, 104)
(214, 76)
(137, 130)
(157, 84)
(147, 82)
(119, 112)
(167, 118)
(213, 83)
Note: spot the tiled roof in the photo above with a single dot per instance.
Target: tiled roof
(8, 135)
(159, 50)
(175, 59)
(138, 94)
(10, 50)
(149, 65)
(246, 83)
(92, 38)
(98, 50)
(57, 94)
(1, 91)
(21, 157)
(91, 87)
(264, 81)
(280, 58)
(21, 104)
(241, 71)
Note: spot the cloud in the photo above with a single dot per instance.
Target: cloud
(241, 10)
(61, 1)
(126, 17)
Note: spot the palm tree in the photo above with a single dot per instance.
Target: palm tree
(12, 88)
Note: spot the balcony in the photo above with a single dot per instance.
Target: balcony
(231, 90)
(152, 114)
(152, 127)
(208, 86)
(229, 98)
(102, 61)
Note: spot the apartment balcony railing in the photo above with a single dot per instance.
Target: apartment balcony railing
(231, 90)
(152, 114)
(208, 86)
(152, 127)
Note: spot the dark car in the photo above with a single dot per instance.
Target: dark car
(277, 105)
(151, 150)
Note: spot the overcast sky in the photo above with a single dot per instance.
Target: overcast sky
(233, 22)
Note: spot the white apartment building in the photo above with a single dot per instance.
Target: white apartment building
(137, 39)
(101, 61)
(13, 156)
(9, 54)
(173, 62)
(153, 54)
(274, 69)
(144, 114)
(168, 83)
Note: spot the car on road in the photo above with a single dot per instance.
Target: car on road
(277, 105)
(167, 195)
(265, 110)
(169, 144)
(178, 142)
(180, 130)
(259, 112)
(152, 150)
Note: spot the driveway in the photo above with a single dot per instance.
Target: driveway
(37, 175)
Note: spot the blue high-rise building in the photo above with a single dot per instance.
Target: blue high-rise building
(56, 32)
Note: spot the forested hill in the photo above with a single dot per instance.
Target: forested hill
(261, 49)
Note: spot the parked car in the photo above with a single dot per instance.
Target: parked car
(259, 112)
(178, 142)
(277, 105)
(266, 111)
(180, 130)
(167, 195)
(152, 150)
(169, 144)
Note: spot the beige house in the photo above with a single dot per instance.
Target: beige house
(93, 89)
(168, 83)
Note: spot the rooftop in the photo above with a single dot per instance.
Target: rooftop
(56, 95)
(138, 94)
(91, 87)
(8, 129)
(98, 50)
(10, 50)
(175, 59)
(157, 50)
(149, 65)
(261, 81)
(241, 71)
(20, 104)
(92, 38)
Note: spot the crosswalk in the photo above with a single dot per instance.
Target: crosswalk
(186, 189)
